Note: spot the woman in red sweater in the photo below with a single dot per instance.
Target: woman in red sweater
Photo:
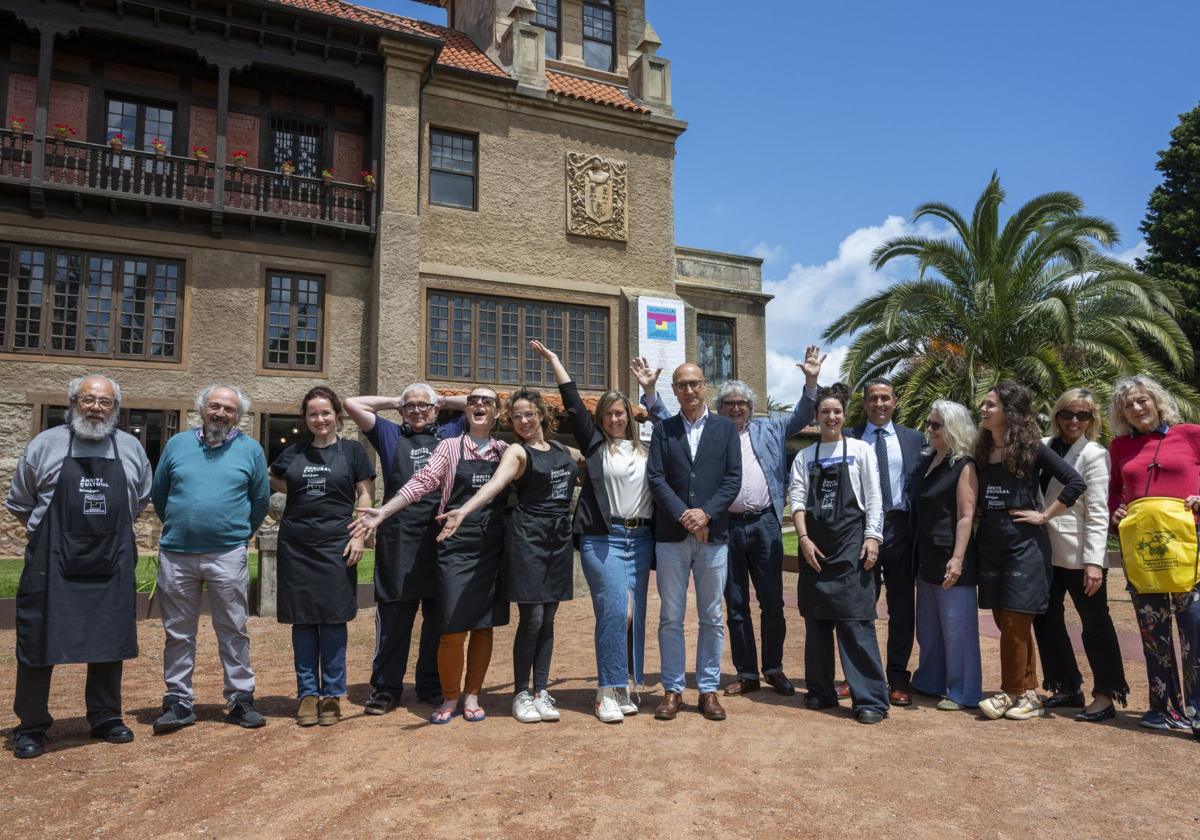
(1153, 454)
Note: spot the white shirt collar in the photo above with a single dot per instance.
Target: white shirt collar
(890, 428)
(699, 420)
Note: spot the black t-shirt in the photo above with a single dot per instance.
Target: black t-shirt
(358, 462)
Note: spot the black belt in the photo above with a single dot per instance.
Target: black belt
(630, 522)
(894, 513)
(748, 515)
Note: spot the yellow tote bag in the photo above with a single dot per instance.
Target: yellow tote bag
(1159, 546)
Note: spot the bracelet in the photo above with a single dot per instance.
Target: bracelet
(802, 537)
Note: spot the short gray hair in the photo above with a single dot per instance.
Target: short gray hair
(420, 386)
(958, 429)
(733, 387)
(206, 392)
(1168, 409)
(76, 385)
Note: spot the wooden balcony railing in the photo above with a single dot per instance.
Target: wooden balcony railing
(170, 179)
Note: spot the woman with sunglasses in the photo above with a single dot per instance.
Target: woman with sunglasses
(1079, 554)
(1011, 544)
(944, 491)
(469, 573)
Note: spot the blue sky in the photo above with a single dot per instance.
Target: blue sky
(815, 128)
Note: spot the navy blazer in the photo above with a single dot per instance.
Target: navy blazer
(678, 482)
(911, 444)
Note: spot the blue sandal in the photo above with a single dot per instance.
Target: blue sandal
(474, 715)
(435, 719)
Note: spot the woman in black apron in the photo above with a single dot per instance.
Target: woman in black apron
(470, 574)
(325, 479)
(837, 508)
(539, 549)
(1012, 549)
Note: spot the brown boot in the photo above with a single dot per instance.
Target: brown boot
(307, 715)
(331, 711)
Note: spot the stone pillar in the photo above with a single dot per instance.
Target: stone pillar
(650, 75)
(268, 572)
(524, 47)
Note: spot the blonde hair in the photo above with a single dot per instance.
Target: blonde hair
(631, 431)
(958, 429)
(1168, 409)
(1069, 396)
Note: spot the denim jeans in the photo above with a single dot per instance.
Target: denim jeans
(948, 633)
(320, 654)
(755, 555)
(617, 567)
(708, 563)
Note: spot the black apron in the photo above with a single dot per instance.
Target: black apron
(1013, 559)
(836, 524)
(470, 563)
(77, 600)
(406, 544)
(315, 584)
(541, 556)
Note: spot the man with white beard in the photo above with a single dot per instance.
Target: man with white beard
(77, 489)
(211, 492)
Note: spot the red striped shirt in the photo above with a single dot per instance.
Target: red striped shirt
(443, 463)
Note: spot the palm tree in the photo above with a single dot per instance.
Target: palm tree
(1036, 301)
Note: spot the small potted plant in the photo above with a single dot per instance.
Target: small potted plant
(17, 124)
(117, 141)
(159, 146)
(239, 158)
(368, 179)
(287, 168)
(64, 130)
(200, 153)
(327, 176)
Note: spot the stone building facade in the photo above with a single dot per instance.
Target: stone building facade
(298, 192)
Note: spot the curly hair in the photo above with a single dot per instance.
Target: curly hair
(1023, 436)
(1168, 409)
(534, 398)
(839, 391)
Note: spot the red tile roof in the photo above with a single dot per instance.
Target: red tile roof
(553, 400)
(592, 91)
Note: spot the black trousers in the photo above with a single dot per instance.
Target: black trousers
(755, 555)
(894, 572)
(859, 652)
(533, 646)
(102, 695)
(1100, 645)
(393, 639)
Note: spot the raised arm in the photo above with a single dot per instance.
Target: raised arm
(806, 408)
(561, 377)
(511, 467)
(362, 410)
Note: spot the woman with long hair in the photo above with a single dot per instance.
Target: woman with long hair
(1079, 554)
(1011, 543)
(324, 479)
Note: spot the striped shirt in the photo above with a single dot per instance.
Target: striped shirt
(443, 463)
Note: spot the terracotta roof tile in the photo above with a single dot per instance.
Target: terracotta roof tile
(591, 91)
(553, 400)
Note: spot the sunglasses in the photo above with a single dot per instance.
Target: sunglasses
(1066, 416)
(480, 399)
(933, 425)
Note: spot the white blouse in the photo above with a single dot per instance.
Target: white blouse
(625, 482)
(864, 479)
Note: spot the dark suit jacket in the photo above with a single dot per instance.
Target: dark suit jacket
(710, 481)
(911, 444)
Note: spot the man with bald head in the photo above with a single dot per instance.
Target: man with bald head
(694, 470)
(211, 492)
(77, 489)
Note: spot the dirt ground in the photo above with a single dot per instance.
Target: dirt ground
(772, 768)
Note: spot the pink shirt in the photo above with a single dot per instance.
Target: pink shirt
(754, 495)
(440, 468)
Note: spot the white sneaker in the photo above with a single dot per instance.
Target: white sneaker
(1029, 706)
(996, 705)
(607, 708)
(625, 701)
(543, 703)
(524, 708)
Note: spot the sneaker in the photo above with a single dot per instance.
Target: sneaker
(1169, 719)
(608, 709)
(524, 710)
(1028, 706)
(176, 715)
(544, 703)
(996, 705)
(243, 714)
(329, 711)
(626, 701)
(948, 705)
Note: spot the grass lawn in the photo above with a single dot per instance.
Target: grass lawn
(10, 572)
(791, 544)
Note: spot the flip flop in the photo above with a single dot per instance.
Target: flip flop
(434, 717)
(474, 715)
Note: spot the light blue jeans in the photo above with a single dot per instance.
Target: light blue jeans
(948, 634)
(617, 567)
(708, 564)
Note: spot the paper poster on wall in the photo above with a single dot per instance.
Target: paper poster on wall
(662, 341)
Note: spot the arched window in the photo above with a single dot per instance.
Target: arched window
(599, 35)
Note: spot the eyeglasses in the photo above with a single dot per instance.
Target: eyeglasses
(1066, 416)
(688, 385)
(421, 407)
(480, 399)
(525, 416)
(933, 425)
(90, 402)
(735, 403)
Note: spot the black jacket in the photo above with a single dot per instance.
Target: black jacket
(710, 481)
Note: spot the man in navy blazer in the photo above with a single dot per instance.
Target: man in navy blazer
(694, 469)
(897, 453)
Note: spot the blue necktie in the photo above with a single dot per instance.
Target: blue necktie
(885, 473)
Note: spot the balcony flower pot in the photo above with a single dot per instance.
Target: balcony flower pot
(368, 179)
(17, 125)
(116, 144)
(286, 169)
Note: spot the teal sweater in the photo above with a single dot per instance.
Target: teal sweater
(210, 499)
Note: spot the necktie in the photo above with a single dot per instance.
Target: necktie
(885, 473)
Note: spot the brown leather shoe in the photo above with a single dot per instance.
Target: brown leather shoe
(307, 713)
(899, 697)
(741, 686)
(779, 681)
(669, 707)
(710, 706)
(842, 688)
(329, 711)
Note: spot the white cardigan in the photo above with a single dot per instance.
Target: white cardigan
(864, 479)
(1080, 535)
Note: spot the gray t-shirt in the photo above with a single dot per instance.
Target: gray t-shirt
(37, 472)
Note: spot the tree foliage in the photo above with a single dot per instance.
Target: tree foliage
(1034, 299)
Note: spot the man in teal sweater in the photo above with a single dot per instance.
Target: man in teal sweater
(211, 492)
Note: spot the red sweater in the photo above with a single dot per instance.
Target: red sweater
(1177, 475)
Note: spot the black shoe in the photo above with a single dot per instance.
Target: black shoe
(1064, 699)
(869, 716)
(779, 681)
(243, 714)
(381, 703)
(817, 702)
(114, 731)
(176, 715)
(30, 744)
(1107, 713)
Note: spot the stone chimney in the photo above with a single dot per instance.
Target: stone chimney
(523, 48)
(650, 75)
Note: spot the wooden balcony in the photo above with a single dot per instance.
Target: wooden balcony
(153, 179)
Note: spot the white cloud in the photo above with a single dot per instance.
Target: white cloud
(768, 253)
(1137, 252)
(785, 381)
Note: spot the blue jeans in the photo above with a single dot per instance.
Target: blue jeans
(618, 566)
(320, 655)
(948, 633)
(755, 555)
(708, 563)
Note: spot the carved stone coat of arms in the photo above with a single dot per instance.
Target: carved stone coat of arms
(597, 196)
